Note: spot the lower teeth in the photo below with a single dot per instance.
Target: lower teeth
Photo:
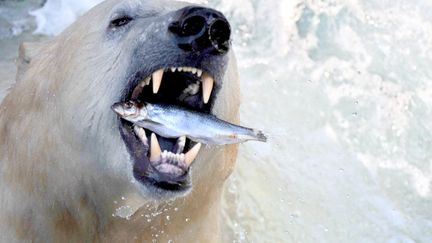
(157, 157)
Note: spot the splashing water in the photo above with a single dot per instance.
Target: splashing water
(342, 88)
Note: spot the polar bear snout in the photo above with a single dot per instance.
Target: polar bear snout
(202, 30)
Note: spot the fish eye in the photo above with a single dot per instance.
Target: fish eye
(120, 21)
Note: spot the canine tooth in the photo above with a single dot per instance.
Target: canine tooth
(192, 154)
(155, 150)
(199, 73)
(140, 132)
(207, 86)
(157, 80)
(181, 141)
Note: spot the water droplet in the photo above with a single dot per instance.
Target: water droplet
(354, 114)
(123, 198)
(115, 202)
(168, 217)
(149, 220)
(187, 219)
(175, 209)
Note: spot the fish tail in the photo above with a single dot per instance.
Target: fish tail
(260, 136)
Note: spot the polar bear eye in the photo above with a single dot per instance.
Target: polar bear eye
(124, 20)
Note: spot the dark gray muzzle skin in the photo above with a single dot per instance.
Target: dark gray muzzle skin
(191, 36)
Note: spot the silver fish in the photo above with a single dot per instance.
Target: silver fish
(173, 122)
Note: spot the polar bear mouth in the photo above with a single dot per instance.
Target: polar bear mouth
(159, 161)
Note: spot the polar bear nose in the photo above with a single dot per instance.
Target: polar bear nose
(201, 30)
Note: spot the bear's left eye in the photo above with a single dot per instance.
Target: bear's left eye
(124, 20)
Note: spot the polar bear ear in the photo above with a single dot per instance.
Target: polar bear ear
(27, 51)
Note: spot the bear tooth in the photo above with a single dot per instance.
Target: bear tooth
(199, 73)
(194, 88)
(157, 80)
(194, 70)
(145, 82)
(181, 141)
(207, 86)
(192, 154)
(173, 69)
(180, 69)
(140, 132)
(155, 150)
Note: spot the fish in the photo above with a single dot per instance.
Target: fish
(172, 121)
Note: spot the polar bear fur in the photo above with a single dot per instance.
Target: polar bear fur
(65, 174)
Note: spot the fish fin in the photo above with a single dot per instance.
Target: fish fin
(260, 135)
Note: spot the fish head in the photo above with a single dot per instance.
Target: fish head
(132, 111)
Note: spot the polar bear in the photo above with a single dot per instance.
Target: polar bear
(72, 171)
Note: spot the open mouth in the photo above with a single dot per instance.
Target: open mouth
(159, 161)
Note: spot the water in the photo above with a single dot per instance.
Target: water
(343, 89)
